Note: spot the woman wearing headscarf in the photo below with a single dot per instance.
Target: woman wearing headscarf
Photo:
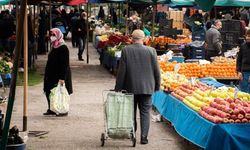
(57, 69)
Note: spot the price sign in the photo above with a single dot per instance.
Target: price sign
(236, 91)
(193, 80)
(177, 67)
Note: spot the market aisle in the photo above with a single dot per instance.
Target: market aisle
(82, 128)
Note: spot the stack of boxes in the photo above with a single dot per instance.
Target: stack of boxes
(177, 17)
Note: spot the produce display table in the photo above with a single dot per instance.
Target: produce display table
(190, 125)
(109, 61)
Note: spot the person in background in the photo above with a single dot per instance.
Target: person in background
(82, 34)
(74, 37)
(244, 15)
(60, 23)
(213, 40)
(42, 31)
(57, 70)
(139, 74)
(101, 14)
(243, 65)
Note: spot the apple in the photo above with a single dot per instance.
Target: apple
(236, 111)
(231, 121)
(240, 116)
(247, 115)
(230, 100)
(237, 121)
(225, 120)
(234, 117)
(232, 105)
(244, 120)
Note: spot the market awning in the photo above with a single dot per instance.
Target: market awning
(205, 5)
(182, 2)
(3, 2)
(237, 3)
(76, 2)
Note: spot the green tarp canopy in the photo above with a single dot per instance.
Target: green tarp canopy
(238, 3)
(3, 2)
(183, 2)
(145, 1)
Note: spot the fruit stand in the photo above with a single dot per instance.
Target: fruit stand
(202, 110)
(109, 48)
(198, 130)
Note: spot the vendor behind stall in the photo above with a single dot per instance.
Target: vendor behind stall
(243, 64)
(213, 40)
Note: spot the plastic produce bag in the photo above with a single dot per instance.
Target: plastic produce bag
(59, 99)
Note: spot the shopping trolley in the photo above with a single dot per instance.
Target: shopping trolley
(118, 116)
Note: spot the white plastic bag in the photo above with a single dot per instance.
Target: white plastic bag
(59, 99)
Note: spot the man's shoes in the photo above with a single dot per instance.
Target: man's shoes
(62, 114)
(144, 140)
(80, 58)
(49, 112)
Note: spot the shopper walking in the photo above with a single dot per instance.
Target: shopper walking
(82, 34)
(101, 14)
(243, 65)
(57, 69)
(139, 74)
(74, 37)
(213, 40)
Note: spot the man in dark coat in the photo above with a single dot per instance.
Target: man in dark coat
(243, 65)
(139, 74)
(82, 34)
(57, 70)
(101, 14)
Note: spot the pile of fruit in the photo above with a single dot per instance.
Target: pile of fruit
(171, 81)
(219, 70)
(227, 110)
(195, 96)
(223, 105)
(220, 59)
(162, 41)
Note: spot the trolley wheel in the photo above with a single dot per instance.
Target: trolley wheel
(102, 139)
(134, 142)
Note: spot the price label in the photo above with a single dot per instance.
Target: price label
(177, 67)
(118, 54)
(193, 80)
(236, 91)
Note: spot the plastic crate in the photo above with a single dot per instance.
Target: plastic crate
(197, 52)
(179, 59)
(231, 25)
(230, 37)
(199, 35)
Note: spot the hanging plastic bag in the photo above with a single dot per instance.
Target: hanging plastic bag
(59, 99)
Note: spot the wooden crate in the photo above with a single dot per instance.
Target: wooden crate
(178, 24)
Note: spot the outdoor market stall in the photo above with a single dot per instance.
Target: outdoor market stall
(193, 127)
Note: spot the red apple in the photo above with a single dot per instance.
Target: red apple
(225, 120)
(230, 100)
(244, 120)
(247, 115)
(236, 111)
(237, 121)
(232, 105)
(231, 121)
(240, 116)
(234, 117)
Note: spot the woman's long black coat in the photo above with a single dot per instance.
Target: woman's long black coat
(57, 68)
